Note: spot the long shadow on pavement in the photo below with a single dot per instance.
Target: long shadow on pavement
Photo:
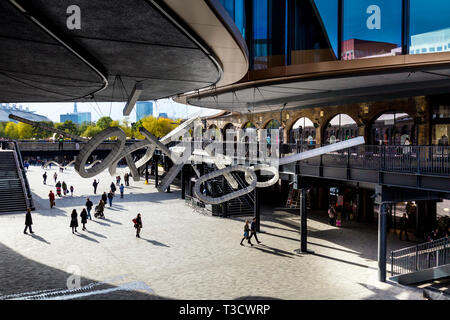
(35, 236)
(25, 278)
(156, 243)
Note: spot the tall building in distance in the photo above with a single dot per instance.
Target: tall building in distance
(76, 117)
(144, 109)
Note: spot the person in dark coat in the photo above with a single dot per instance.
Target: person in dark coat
(89, 206)
(253, 231)
(104, 197)
(83, 216)
(58, 188)
(246, 233)
(110, 198)
(403, 224)
(138, 225)
(64, 187)
(51, 197)
(55, 176)
(74, 221)
(28, 221)
(113, 187)
(45, 177)
(95, 184)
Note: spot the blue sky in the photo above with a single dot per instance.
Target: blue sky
(173, 109)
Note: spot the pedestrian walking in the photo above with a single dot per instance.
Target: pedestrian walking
(246, 233)
(95, 184)
(74, 220)
(104, 197)
(51, 198)
(64, 188)
(403, 224)
(55, 176)
(253, 230)
(332, 215)
(138, 225)
(45, 177)
(113, 187)
(89, 206)
(126, 177)
(71, 191)
(121, 188)
(83, 216)
(110, 198)
(58, 188)
(28, 221)
(118, 180)
(99, 210)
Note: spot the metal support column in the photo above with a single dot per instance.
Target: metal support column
(382, 242)
(303, 224)
(156, 158)
(146, 173)
(183, 183)
(257, 210)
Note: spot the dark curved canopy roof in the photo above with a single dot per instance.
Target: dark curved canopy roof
(119, 43)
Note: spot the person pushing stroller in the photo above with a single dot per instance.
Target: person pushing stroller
(99, 209)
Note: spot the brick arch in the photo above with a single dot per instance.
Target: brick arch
(330, 117)
(290, 125)
(378, 113)
(248, 121)
(266, 122)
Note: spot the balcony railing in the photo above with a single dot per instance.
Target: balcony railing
(420, 257)
(424, 160)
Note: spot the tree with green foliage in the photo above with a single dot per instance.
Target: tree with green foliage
(11, 131)
(91, 131)
(104, 122)
(24, 131)
(39, 133)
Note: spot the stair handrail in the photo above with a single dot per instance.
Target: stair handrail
(22, 175)
(419, 257)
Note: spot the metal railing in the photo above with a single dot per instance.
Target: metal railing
(420, 257)
(22, 174)
(424, 160)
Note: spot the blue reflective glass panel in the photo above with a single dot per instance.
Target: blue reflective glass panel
(236, 10)
(371, 28)
(429, 26)
(328, 13)
(269, 34)
(310, 23)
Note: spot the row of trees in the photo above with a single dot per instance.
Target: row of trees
(157, 126)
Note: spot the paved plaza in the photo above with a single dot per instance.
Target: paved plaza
(182, 254)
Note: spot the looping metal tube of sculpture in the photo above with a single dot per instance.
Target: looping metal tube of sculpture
(58, 165)
(264, 168)
(90, 147)
(69, 164)
(227, 197)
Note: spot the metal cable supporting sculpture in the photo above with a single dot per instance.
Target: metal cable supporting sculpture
(182, 154)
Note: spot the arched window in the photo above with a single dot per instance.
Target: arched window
(342, 127)
(392, 128)
(303, 132)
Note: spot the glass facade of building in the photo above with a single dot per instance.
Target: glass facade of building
(143, 109)
(292, 32)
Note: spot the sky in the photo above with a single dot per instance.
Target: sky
(115, 109)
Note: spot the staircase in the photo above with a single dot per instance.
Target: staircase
(241, 206)
(421, 263)
(12, 193)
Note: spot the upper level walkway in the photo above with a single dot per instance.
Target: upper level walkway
(419, 167)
